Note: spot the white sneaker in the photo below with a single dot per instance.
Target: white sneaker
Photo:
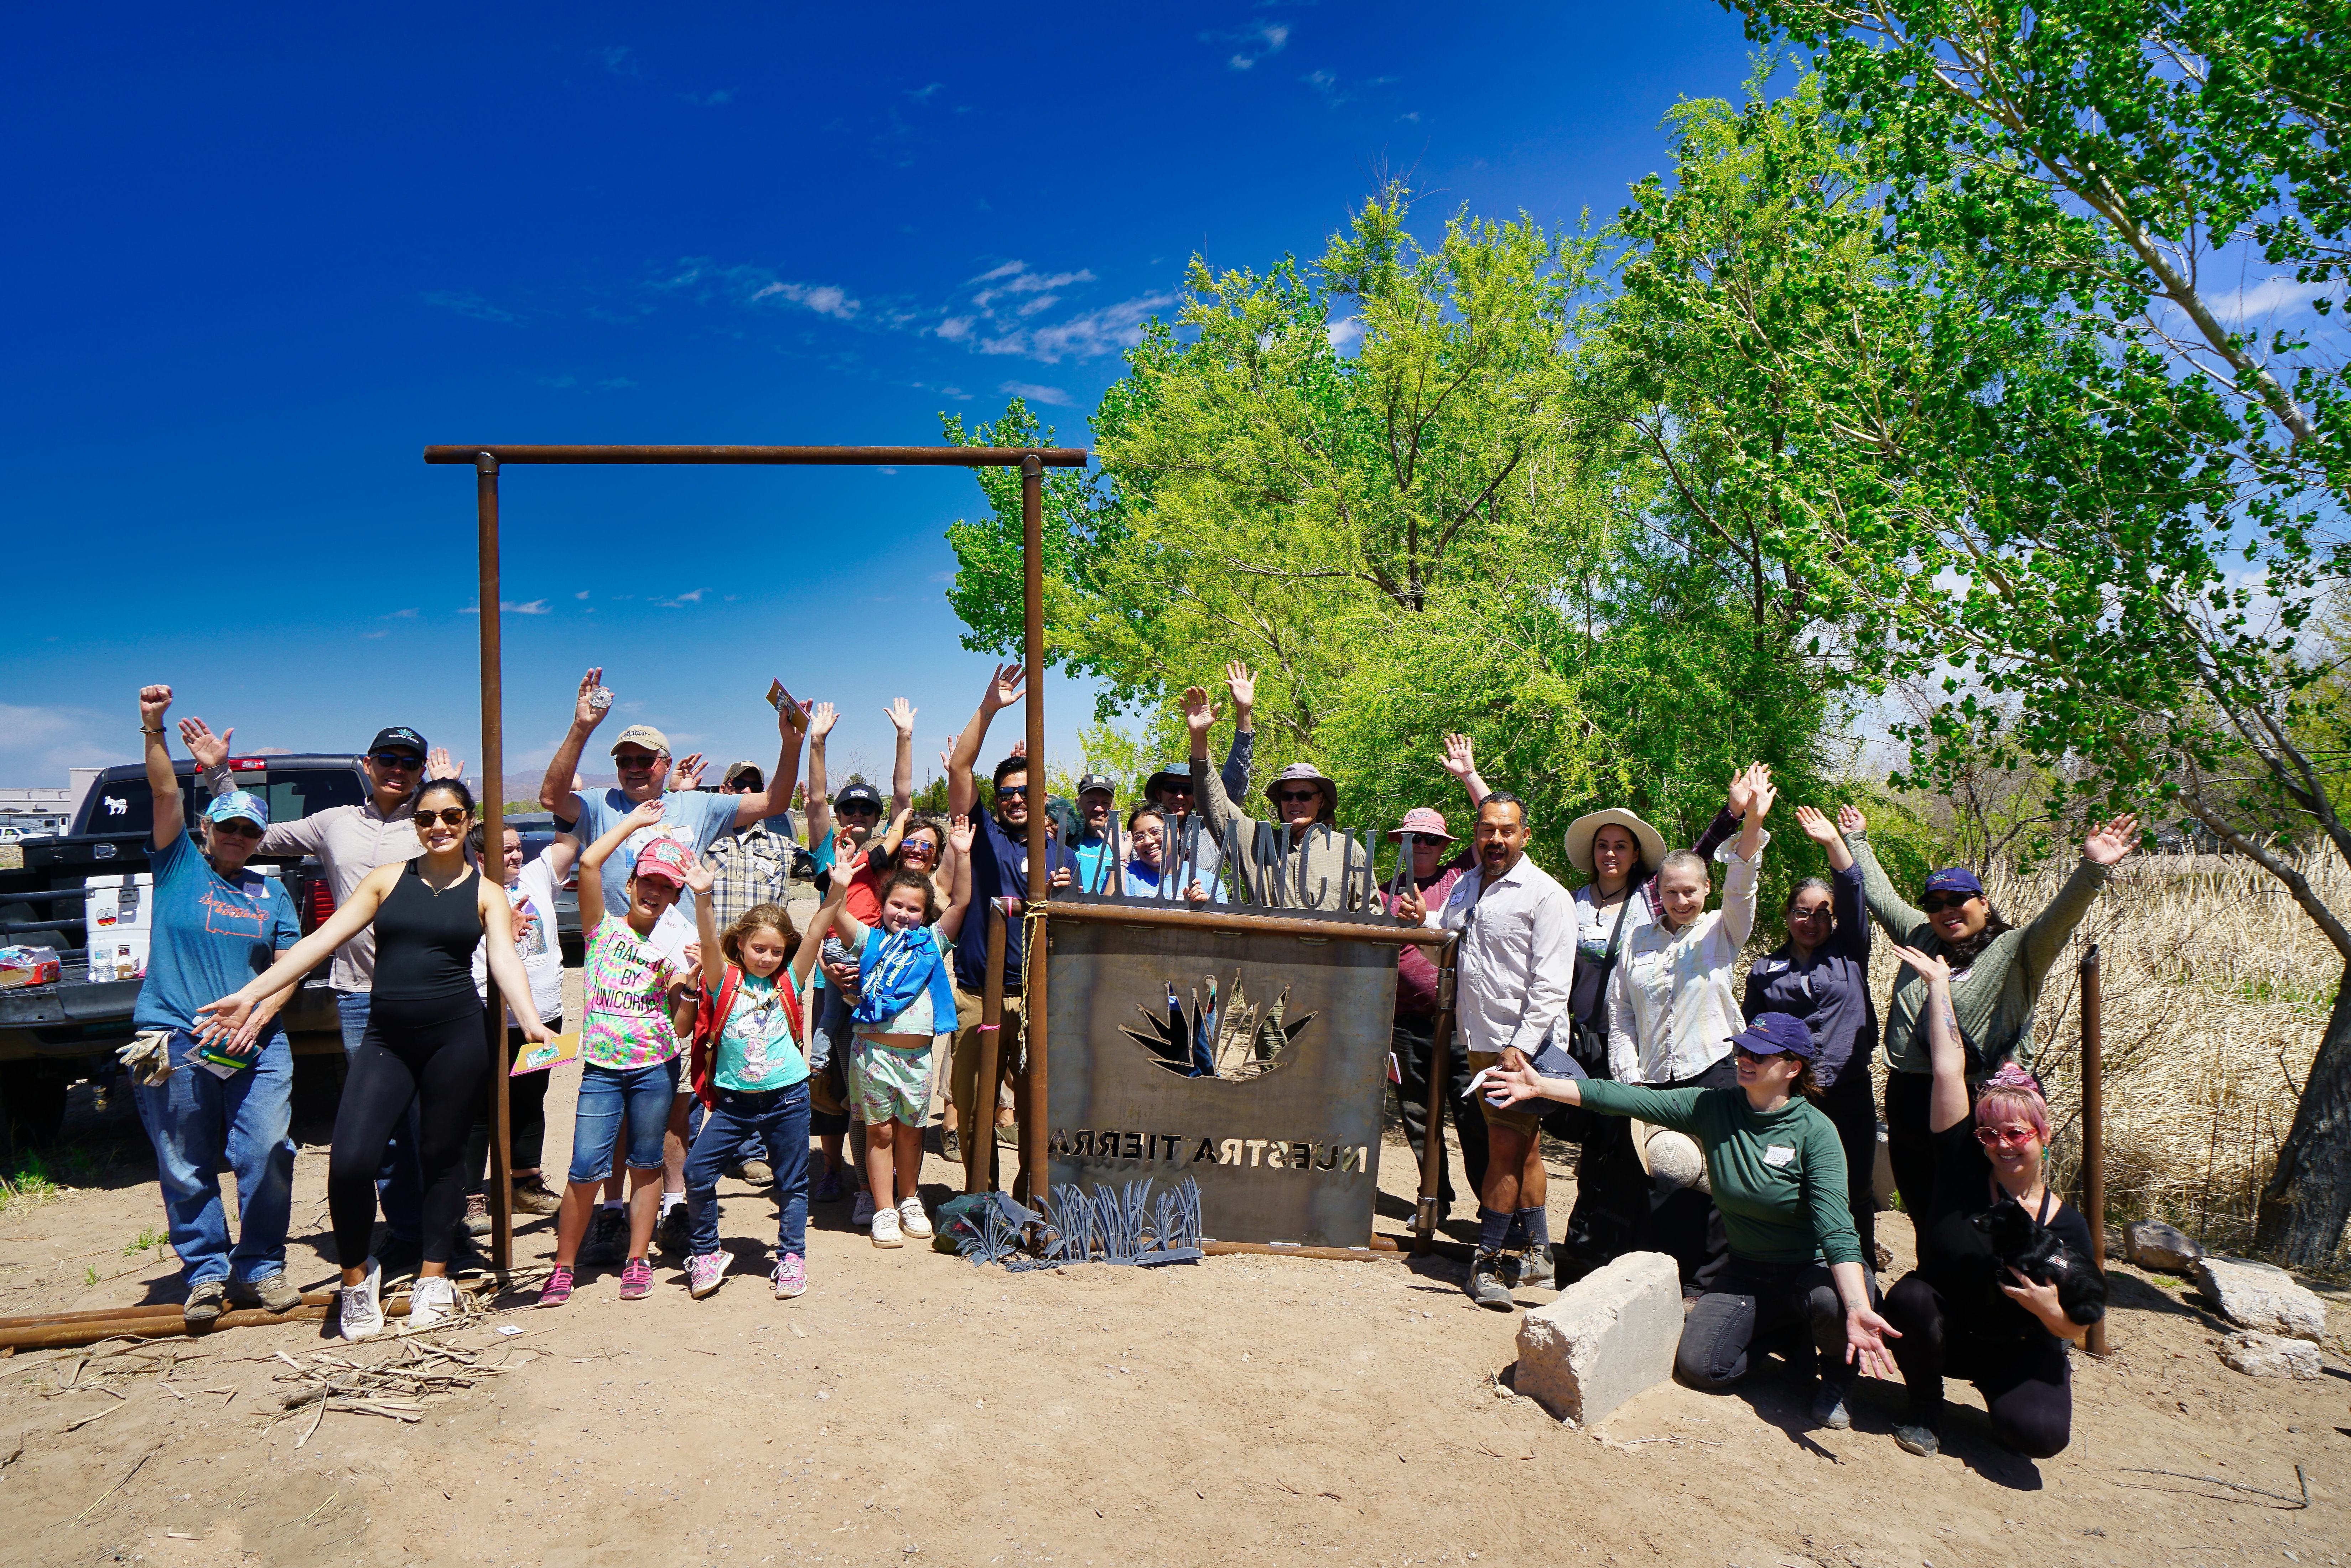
(431, 1299)
(911, 1217)
(864, 1212)
(885, 1229)
(358, 1313)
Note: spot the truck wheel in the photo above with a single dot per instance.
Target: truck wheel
(32, 1105)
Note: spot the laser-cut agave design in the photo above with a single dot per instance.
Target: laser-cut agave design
(1220, 1034)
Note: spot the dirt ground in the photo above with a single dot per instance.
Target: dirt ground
(910, 1406)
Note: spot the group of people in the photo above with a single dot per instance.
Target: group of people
(1725, 1119)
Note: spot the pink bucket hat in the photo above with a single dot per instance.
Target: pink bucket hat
(1423, 822)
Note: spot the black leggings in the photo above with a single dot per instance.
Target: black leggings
(1847, 1105)
(526, 1115)
(432, 1052)
(2026, 1384)
(1791, 1307)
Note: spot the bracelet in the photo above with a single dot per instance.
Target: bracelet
(145, 730)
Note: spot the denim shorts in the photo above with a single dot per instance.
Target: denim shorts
(609, 1095)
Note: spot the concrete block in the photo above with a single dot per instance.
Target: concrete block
(2266, 1355)
(2152, 1244)
(1609, 1336)
(2261, 1297)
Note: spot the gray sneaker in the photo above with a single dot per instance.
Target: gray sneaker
(1828, 1407)
(204, 1303)
(607, 1242)
(1537, 1273)
(271, 1292)
(1914, 1438)
(1486, 1287)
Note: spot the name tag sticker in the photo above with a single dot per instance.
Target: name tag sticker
(1777, 1155)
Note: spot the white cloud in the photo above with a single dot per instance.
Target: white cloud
(954, 329)
(683, 599)
(927, 92)
(1036, 393)
(39, 745)
(1346, 333)
(619, 59)
(508, 607)
(1256, 44)
(824, 298)
(466, 302)
(1326, 87)
(1014, 277)
(717, 98)
(2271, 294)
(408, 614)
(581, 594)
(1097, 332)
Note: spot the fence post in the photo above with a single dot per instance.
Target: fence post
(2093, 1128)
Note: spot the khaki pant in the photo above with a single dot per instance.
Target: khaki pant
(1519, 1119)
(1012, 1060)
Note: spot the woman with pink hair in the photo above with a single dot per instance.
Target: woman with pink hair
(1961, 1313)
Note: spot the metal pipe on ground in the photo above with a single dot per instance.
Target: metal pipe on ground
(69, 1329)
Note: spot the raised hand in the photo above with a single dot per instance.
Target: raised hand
(438, 766)
(1736, 799)
(1003, 687)
(822, 716)
(1761, 793)
(154, 702)
(210, 750)
(585, 711)
(1460, 756)
(901, 715)
(1817, 827)
(1850, 820)
(1932, 969)
(648, 814)
(960, 832)
(700, 874)
(1241, 681)
(2111, 839)
(1200, 713)
(1020, 749)
(688, 775)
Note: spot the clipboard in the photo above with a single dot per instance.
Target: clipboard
(539, 1057)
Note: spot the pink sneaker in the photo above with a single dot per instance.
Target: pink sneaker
(636, 1281)
(791, 1276)
(702, 1271)
(558, 1289)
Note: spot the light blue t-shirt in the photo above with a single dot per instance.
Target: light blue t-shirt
(211, 935)
(1094, 874)
(756, 1051)
(694, 818)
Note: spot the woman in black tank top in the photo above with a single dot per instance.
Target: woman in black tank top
(426, 1043)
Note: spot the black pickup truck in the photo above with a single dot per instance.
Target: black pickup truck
(69, 892)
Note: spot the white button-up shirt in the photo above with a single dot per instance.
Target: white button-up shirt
(1673, 1002)
(1517, 964)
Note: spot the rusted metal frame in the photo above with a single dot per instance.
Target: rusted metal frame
(979, 1137)
(1373, 1254)
(1424, 1217)
(1215, 918)
(811, 456)
(493, 810)
(2093, 1124)
(1041, 874)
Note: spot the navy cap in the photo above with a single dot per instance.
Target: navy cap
(1092, 781)
(858, 794)
(399, 735)
(1772, 1034)
(1954, 879)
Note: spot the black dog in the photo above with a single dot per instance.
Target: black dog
(2023, 1243)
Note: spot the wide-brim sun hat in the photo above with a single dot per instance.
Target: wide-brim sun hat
(1422, 822)
(1177, 778)
(1579, 835)
(1305, 772)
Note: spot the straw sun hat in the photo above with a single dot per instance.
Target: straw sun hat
(1580, 832)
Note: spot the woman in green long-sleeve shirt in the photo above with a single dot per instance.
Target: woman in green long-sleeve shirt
(1996, 975)
(1777, 1168)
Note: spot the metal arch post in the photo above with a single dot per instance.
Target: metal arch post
(493, 810)
(1031, 1181)
(2093, 1124)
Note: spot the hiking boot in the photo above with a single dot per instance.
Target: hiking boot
(478, 1214)
(431, 1299)
(1008, 1135)
(951, 1145)
(669, 1232)
(608, 1236)
(885, 1229)
(359, 1309)
(1537, 1273)
(1912, 1438)
(271, 1292)
(1485, 1286)
(636, 1281)
(558, 1289)
(758, 1173)
(1829, 1410)
(531, 1195)
(791, 1276)
(204, 1304)
(703, 1272)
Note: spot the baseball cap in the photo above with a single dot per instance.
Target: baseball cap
(664, 859)
(236, 803)
(1097, 782)
(1954, 879)
(1422, 822)
(1772, 1034)
(642, 735)
(399, 737)
(858, 794)
(735, 770)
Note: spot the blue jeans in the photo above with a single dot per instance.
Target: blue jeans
(753, 1146)
(832, 1033)
(196, 1121)
(399, 1184)
(639, 1097)
(779, 1119)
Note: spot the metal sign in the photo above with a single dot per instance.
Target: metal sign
(1251, 1059)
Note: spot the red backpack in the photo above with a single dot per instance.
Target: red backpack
(710, 1019)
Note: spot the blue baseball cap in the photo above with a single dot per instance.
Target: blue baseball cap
(1954, 879)
(1773, 1034)
(239, 803)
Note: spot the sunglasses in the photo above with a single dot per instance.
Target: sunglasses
(860, 808)
(1004, 789)
(1744, 1054)
(635, 758)
(1818, 911)
(407, 762)
(238, 827)
(2001, 1137)
(923, 847)
(1298, 797)
(1936, 903)
(447, 816)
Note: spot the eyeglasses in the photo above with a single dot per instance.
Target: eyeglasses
(2001, 1137)
(860, 808)
(1004, 789)
(1744, 1054)
(1936, 903)
(447, 816)
(238, 827)
(1297, 796)
(635, 758)
(1817, 912)
(923, 847)
(407, 762)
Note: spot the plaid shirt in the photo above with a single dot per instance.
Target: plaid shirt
(752, 864)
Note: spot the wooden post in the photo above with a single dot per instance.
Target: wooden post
(2093, 1128)
(1432, 1149)
(493, 810)
(980, 1130)
(1040, 847)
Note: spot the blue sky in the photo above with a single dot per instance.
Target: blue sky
(262, 260)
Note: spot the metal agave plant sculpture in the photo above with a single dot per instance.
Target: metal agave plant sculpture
(1221, 1034)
